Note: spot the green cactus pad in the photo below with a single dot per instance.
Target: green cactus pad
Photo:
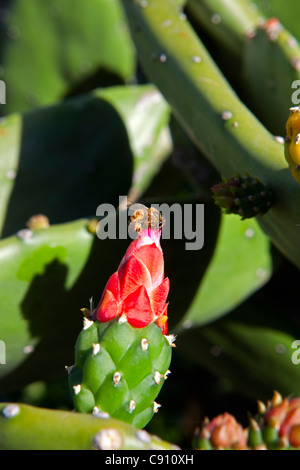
(81, 42)
(24, 427)
(119, 370)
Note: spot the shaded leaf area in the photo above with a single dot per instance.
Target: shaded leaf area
(65, 266)
(187, 267)
(51, 49)
(234, 273)
(191, 394)
(146, 116)
(65, 160)
(250, 349)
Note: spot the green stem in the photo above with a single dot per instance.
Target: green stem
(228, 22)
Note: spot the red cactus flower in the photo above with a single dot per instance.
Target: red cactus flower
(138, 290)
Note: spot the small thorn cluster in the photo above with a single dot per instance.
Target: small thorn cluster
(245, 196)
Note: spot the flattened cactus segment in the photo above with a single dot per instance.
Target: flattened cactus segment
(24, 427)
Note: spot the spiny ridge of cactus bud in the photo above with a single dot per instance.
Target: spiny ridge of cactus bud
(116, 374)
(122, 354)
(292, 142)
(245, 196)
(222, 432)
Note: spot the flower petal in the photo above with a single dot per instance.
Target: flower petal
(112, 285)
(107, 308)
(147, 237)
(158, 297)
(137, 308)
(133, 274)
(153, 259)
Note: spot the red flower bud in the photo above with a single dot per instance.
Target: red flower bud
(224, 432)
(138, 290)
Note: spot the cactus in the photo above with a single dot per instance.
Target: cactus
(122, 355)
(232, 148)
(245, 196)
(260, 47)
(279, 68)
(103, 50)
(228, 22)
(193, 136)
(275, 427)
(10, 131)
(120, 370)
(222, 432)
(94, 118)
(74, 116)
(287, 12)
(279, 422)
(24, 427)
(151, 144)
(48, 258)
